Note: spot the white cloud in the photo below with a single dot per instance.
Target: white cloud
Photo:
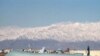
(60, 32)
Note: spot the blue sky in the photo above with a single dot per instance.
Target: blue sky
(28, 13)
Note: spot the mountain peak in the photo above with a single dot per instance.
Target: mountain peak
(61, 32)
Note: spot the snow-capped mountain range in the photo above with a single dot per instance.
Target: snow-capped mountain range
(62, 32)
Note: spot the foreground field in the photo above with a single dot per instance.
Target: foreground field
(92, 52)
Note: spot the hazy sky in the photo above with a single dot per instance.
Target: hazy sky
(27, 13)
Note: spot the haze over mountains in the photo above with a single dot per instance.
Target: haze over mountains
(75, 35)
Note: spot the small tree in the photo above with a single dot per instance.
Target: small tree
(88, 51)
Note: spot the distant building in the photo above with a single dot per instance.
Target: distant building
(59, 51)
(7, 50)
(0, 51)
(28, 50)
(67, 50)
